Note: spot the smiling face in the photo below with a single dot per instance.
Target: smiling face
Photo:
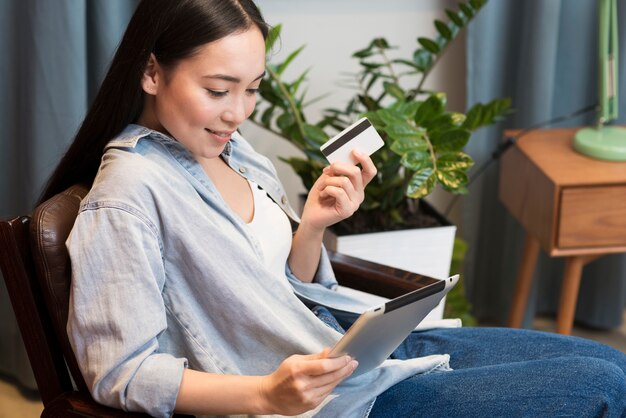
(203, 99)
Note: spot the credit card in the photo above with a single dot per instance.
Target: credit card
(361, 135)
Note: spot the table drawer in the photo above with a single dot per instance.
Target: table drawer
(592, 217)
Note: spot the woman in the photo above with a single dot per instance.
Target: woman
(184, 266)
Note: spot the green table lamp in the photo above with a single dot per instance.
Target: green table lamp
(605, 142)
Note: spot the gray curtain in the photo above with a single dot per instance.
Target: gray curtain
(543, 55)
(54, 55)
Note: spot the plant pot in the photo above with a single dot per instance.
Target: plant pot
(426, 251)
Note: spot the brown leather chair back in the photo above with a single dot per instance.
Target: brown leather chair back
(35, 266)
(50, 226)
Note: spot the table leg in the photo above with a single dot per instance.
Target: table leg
(569, 294)
(569, 291)
(524, 281)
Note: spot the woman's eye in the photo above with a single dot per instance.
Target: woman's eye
(252, 92)
(217, 93)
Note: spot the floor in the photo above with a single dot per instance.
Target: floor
(16, 403)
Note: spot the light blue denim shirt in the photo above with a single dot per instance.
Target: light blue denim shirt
(165, 276)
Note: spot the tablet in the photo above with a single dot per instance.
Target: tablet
(378, 331)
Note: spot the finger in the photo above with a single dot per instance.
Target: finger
(368, 168)
(318, 393)
(324, 366)
(343, 183)
(335, 377)
(341, 202)
(317, 356)
(350, 171)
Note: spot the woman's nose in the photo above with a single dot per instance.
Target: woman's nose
(236, 112)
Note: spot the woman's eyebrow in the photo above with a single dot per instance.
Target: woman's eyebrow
(230, 78)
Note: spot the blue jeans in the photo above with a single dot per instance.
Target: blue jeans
(500, 372)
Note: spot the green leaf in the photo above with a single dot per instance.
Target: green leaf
(452, 140)
(440, 122)
(453, 180)
(396, 216)
(416, 160)
(457, 118)
(432, 107)
(455, 18)
(443, 29)
(283, 65)
(477, 4)
(381, 43)
(371, 65)
(373, 78)
(388, 169)
(467, 11)
(368, 102)
(407, 143)
(450, 161)
(363, 53)
(429, 44)
(266, 117)
(394, 90)
(423, 59)
(409, 109)
(406, 62)
(315, 155)
(293, 87)
(421, 183)
(374, 119)
(285, 120)
(391, 118)
(486, 114)
(474, 117)
(271, 94)
(401, 129)
(272, 36)
(459, 250)
(369, 204)
(315, 133)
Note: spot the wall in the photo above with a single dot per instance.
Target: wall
(332, 30)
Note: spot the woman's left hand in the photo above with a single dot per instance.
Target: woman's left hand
(338, 192)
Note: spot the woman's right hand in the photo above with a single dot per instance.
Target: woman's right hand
(302, 382)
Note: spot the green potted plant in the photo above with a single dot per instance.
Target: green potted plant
(423, 141)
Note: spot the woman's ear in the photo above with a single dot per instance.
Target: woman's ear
(150, 79)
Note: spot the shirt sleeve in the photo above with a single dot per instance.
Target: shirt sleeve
(324, 275)
(117, 312)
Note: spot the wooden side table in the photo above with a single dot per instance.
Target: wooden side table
(570, 205)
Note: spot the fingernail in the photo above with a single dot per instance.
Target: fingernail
(354, 364)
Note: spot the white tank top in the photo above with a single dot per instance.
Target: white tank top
(271, 226)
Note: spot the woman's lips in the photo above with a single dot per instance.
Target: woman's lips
(220, 136)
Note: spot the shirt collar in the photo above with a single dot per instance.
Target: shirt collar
(130, 136)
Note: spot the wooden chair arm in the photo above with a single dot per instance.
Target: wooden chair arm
(374, 278)
(75, 404)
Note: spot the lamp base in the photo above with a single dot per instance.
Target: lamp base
(604, 143)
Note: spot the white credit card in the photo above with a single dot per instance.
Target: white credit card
(361, 136)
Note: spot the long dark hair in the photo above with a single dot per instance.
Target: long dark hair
(172, 30)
